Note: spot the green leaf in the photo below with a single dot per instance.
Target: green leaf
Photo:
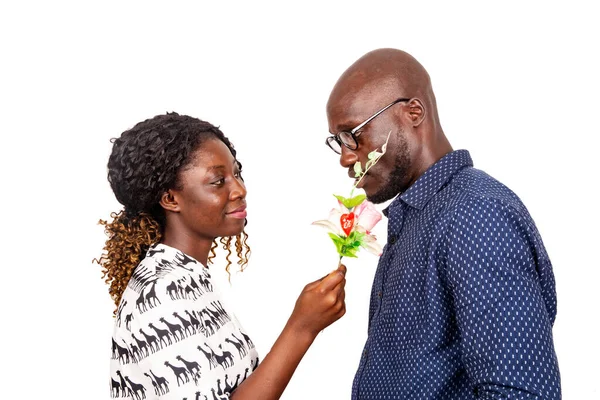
(338, 241)
(354, 201)
(357, 169)
(356, 236)
(351, 202)
(348, 252)
(374, 155)
(347, 246)
(352, 244)
(342, 199)
(336, 238)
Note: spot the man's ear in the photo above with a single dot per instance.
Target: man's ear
(416, 112)
(168, 201)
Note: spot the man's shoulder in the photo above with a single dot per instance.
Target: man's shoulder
(475, 196)
(472, 187)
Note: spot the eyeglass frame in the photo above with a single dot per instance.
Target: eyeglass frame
(355, 132)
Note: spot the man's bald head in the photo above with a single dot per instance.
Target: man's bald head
(384, 75)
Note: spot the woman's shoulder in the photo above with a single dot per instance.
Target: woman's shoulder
(162, 284)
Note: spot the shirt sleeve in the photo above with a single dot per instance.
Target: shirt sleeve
(498, 274)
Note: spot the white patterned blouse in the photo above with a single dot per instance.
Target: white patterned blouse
(173, 338)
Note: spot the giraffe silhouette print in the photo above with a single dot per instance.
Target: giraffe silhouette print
(174, 337)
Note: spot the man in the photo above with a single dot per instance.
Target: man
(463, 300)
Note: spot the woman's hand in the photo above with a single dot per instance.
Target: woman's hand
(320, 304)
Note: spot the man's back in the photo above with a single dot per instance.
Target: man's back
(463, 299)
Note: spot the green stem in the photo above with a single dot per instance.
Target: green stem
(370, 166)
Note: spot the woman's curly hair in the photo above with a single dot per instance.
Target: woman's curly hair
(145, 162)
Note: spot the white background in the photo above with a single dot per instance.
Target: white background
(517, 85)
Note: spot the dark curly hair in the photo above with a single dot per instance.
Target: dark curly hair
(145, 162)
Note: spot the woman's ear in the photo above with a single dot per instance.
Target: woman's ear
(168, 201)
(416, 112)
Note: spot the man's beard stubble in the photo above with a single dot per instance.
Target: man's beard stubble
(395, 183)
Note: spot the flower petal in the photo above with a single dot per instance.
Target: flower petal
(334, 215)
(368, 216)
(359, 208)
(343, 209)
(370, 244)
(330, 226)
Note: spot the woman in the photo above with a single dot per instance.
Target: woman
(181, 187)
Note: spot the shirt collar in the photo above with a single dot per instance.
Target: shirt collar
(171, 253)
(434, 179)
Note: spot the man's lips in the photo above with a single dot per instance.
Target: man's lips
(361, 184)
(351, 174)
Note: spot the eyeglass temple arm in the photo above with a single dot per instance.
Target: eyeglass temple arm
(353, 131)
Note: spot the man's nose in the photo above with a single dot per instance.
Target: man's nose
(348, 157)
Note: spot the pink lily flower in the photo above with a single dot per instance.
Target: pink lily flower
(367, 215)
(363, 218)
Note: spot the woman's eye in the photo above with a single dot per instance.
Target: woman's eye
(219, 181)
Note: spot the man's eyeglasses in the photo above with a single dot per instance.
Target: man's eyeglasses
(349, 139)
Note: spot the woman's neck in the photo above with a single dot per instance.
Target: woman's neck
(192, 246)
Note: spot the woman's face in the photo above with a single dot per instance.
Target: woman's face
(212, 201)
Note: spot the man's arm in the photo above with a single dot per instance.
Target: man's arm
(493, 269)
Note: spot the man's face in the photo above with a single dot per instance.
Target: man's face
(391, 175)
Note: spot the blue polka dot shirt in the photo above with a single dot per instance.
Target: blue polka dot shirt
(463, 300)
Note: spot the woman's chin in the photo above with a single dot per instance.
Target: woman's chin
(234, 229)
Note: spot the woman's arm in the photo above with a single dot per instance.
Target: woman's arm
(320, 304)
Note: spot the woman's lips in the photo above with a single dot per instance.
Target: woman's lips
(238, 213)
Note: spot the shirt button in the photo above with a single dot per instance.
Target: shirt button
(393, 240)
(364, 353)
(379, 294)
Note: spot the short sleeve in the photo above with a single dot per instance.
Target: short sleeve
(179, 342)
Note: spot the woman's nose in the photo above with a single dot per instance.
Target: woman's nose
(238, 190)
